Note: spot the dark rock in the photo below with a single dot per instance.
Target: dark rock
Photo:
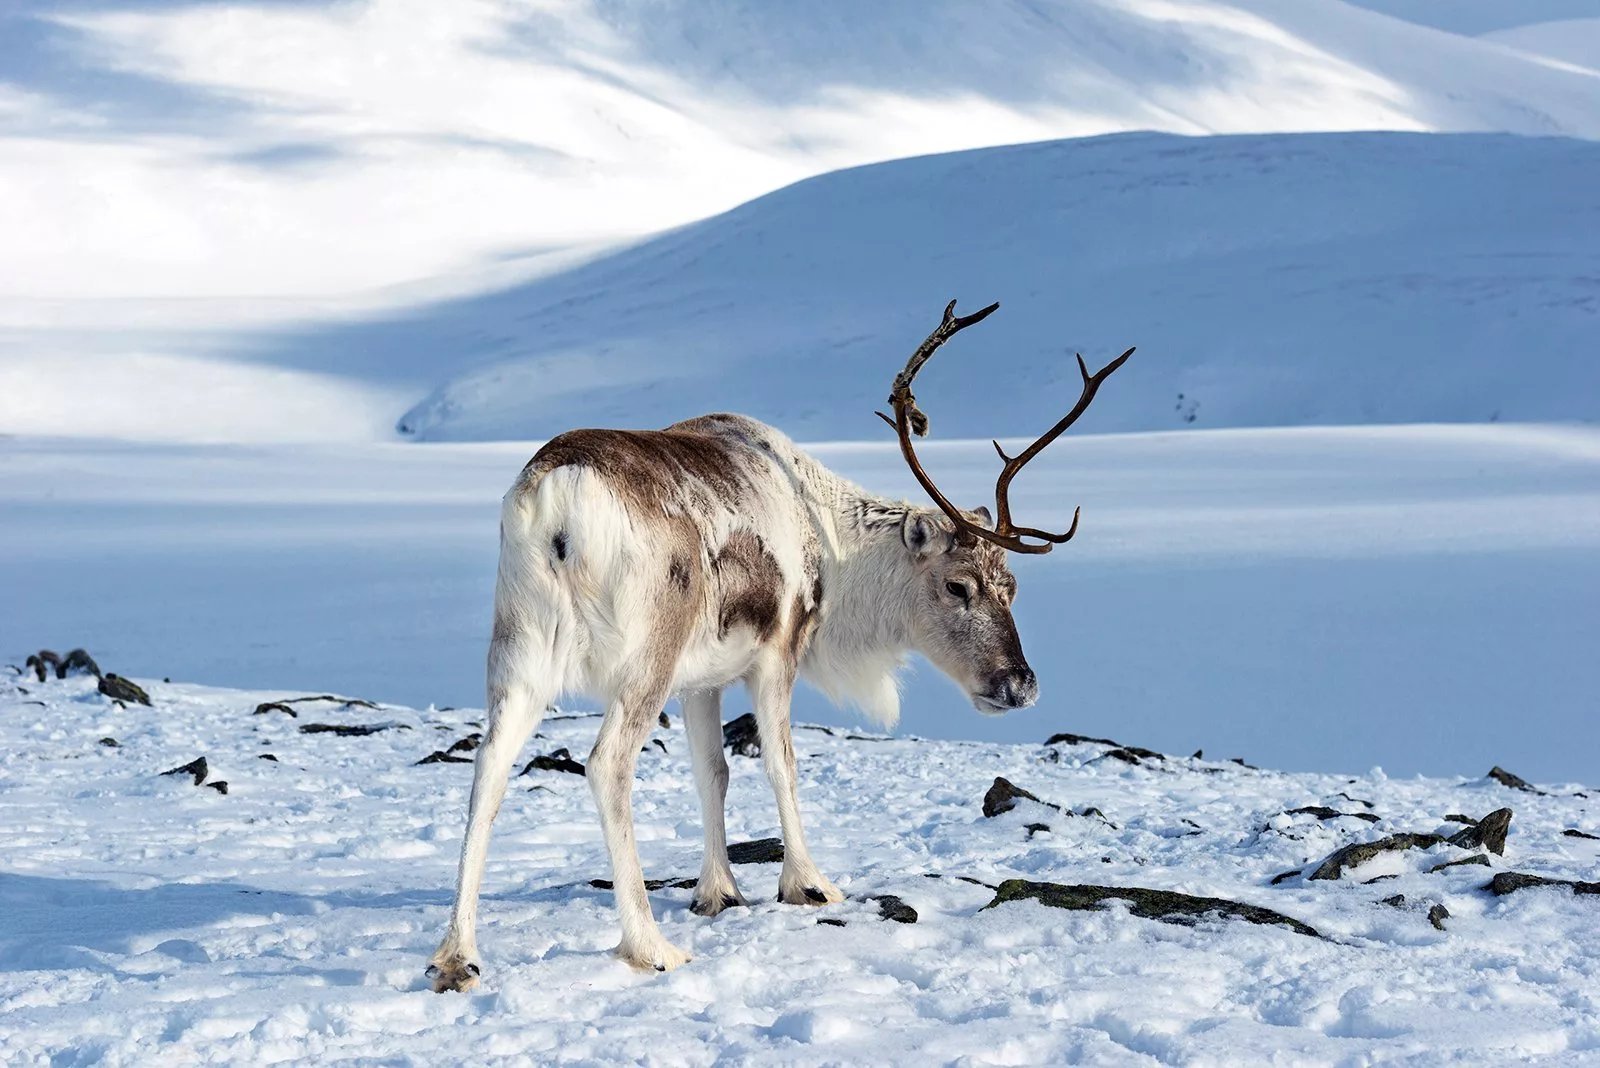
(1127, 756)
(1353, 855)
(1378, 879)
(111, 743)
(43, 662)
(649, 884)
(1456, 817)
(1489, 832)
(439, 756)
(347, 730)
(275, 706)
(831, 921)
(1515, 782)
(959, 878)
(891, 907)
(560, 760)
(1397, 901)
(77, 660)
(1476, 858)
(742, 736)
(1240, 761)
(760, 851)
(267, 756)
(1164, 905)
(120, 689)
(1003, 796)
(1323, 812)
(1437, 915)
(663, 722)
(196, 767)
(220, 786)
(1199, 754)
(1285, 876)
(1508, 882)
(1355, 800)
(465, 745)
(658, 743)
(1570, 833)
(1080, 739)
(1035, 828)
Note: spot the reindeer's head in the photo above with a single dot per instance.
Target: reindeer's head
(961, 615)
(963, 601)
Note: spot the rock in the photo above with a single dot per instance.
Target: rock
(77, 660)
(196, 767)
(831, 921)
(1571, 833)
(658, 743)
(1164, 905)
(43, 662)
(1397, 901)
(1323, 812)
(560, 760)
(1456, 817)
(663, 722)
(1240, 761)
(1354, 800)
(760, 851)
(1515, 782)
(466, 745)
(1476, 858)
(1437, 915)
(742, 736)
(1489, 832)
(347, 730)
(111, 743)
(1080, 739)
(1353, 855)
(649, 884)
(1508, 882)
(1127, 756)
(1285, 876)
(220, 786)
(891, 907)
(267, 756)
(120, 689)
(1378, 879)
(439, 756)
(1003, 796)
(1199, 754)
(1035, 828)
(275, 706)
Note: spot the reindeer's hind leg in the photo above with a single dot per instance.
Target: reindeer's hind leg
(702, 718)
(627, 724)
(517, 703)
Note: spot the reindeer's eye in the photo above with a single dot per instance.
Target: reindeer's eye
(958, 589)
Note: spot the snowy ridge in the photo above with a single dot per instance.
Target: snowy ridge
(1267, 280)
(148, 917)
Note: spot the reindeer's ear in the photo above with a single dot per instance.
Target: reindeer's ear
(923, 534)
(982, 512)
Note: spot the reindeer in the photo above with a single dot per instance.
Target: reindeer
(638, 565)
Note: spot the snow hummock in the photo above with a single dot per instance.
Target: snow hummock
(150, 919)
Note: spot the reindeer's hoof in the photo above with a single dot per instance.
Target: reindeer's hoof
(815, 891)
(710, 906)
(454, 973)
(660, 956)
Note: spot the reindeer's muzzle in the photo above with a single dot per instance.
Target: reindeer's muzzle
(1012, 688)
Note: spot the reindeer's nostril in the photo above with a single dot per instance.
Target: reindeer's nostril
(1014, 688)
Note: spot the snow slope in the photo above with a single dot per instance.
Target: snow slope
(1267, 280)
(178, 177)
(1567, 41)
(148, 919)
(1421, 598)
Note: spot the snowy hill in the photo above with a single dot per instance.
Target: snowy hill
(151, 918)
(1269, 280)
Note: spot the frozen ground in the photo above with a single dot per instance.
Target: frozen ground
(150, 920)
(1421, 598)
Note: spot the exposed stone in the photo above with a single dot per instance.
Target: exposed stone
(111, 743)
(1397, 901)
(1323, 812)
(1356, 800)
(1456, 817)
(43, 662)
(1515, 782)
(663, 722)
(439, 756)
(275, 706)
(1035, 828)
(1489, 832)
(465, 745)
(1353, 855)
(120, 689)
(891, 907)
(1476, 858)
(560, 760)
(267, 756)
(1164, 905)
(1003, 796)
(742, 736)
(1080, 739)
(77, 660)
(649, 884)
(196, 767)
(220, 786)
(1285, 876)
(831, 921)
(1574, 833)
(1507, 882)
(1240, 761)
(348, 730)
(760, 851)
(1437, 915)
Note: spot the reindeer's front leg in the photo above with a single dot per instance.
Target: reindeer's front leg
(800, 882)
(702, 718)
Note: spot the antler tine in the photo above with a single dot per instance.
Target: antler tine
(909, 419)
(1002, 486)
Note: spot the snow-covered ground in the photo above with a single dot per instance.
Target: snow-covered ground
(1420, 598)
(151, 920)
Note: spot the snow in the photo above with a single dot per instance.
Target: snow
(1420, 598)
(1566, 41)
(289, 921)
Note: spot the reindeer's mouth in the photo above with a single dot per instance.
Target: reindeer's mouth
(1007, 690)
(989, 706)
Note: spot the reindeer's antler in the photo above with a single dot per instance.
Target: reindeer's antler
(909, 419)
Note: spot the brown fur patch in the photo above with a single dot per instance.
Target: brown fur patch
(650, 468)
(748, 581)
